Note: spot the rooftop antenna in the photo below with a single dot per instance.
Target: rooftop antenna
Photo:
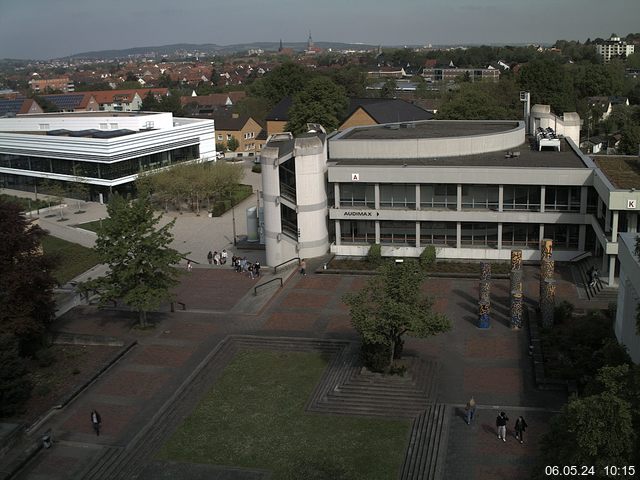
(525, 97)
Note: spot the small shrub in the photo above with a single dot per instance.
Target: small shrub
(256, 168)
(428, 257)
(374, 256)
(563, 312)
(375, 356)
(75, 371)
(42, 390)
(45, 357)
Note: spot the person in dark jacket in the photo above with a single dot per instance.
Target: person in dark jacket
(501, 424)
(520, 427)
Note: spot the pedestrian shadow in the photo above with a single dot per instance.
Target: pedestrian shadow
(488, 428)
(460, 412)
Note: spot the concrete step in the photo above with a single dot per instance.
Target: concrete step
(425, 445)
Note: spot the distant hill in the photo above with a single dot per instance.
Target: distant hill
(209, 48)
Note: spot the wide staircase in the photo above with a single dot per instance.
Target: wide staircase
(582, 268)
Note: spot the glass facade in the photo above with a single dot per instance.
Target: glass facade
(483, 197)
(521, 197)
(439, 196)
(289, 219)
(399, 195)
(563, 236)
(562, 199)
(520, 235)
(438, 233)
(357, 195)
(287, 174)
(398, 233)
(479, 234)
(105, 171)
(357, 232)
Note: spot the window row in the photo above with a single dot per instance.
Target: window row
(107, 171)
(472, 234)
(445, 196)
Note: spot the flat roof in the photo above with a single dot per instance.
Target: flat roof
(622, 171)
(428, 129)
(87, 114)
(529, 157)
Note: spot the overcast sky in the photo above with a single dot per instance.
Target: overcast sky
(41, 29)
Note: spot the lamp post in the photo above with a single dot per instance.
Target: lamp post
(233, 217)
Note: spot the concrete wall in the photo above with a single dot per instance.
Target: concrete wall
(628, 296)
(568, 125)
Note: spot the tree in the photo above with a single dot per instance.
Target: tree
(595, 430)
(391, 305)
(232, 144)
(15, 386)
(353, 79)
(26, 283)
(141, 264)
(482, 101)
(150, 103)
(388, 89)
(630, 143)
(286, 80)
(321, 101)
(549, 83)
(79, 189)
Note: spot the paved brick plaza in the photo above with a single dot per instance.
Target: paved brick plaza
(492, 365)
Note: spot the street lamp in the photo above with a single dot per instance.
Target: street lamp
(233, 217)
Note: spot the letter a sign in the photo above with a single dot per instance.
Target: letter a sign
(355, 177)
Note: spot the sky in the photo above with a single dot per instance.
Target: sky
(43, 29)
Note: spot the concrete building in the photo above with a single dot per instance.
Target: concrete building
(450, 74)
(614, 47)
(41, 85)
(107, 151)
(625, 327)
(473, 189)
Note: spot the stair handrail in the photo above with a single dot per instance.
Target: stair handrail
(255, 289)
(275, 269)
(579, 257)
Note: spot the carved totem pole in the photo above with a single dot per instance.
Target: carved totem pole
(516, 288)
(484, 301)
(547, 283)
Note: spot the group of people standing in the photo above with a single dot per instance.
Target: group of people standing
(216, 258)
(242, 265)
(501, 422)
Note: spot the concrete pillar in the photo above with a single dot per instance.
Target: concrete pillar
(612, 269)
(378, 232)
(417, 234)
(607, 221)
(458, 235)
(376, 191)
(605, 263)
(543, 190)
(336, 194)
(582, 237)
(500, 236)
(548, 302)
(418, 196)
(500, 199)
(541, 231)
(338, 233)
(599, 211)
(614, 226)
(584, 193)
(459, 197)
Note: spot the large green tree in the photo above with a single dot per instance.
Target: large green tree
(549, 83)
(142, 266)
(15, 386)
(392, 305)
(321, 101)
(483, 101)
(286, 80)
(26, 282)
(596, 429)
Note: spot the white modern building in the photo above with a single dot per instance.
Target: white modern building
(626, 328)
(106, 150)
(473, 189)
(614, 47)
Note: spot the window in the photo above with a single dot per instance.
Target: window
(563, 236)
(103, 126)
(357, 195)
(113, 126)
(520, 235)
(484, 197)
(439, 196)
(219, 137)
(562, 199)
(357, 232)
(398, 196)
(229, 136)
(479, 234)
(521, 197)
(438, 233)
(44, 126)
(398, 233)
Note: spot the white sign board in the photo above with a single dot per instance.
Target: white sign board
(632, 204)
(355, 177)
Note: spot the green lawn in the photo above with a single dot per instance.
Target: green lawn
(254, 418)
(73, 259)
(26, 204)
(92, 226)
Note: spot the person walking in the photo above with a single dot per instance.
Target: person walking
(501, 424)
(470, 410)
(223, 257)
(521, 426)
(96, 421)
(189, 266)
(256, 269)
(216, 258)
(210, 257)
(303, 267)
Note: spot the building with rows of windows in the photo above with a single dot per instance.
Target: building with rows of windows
(473, 189)
(106, 150)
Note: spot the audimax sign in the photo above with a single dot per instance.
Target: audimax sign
(359, 213)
